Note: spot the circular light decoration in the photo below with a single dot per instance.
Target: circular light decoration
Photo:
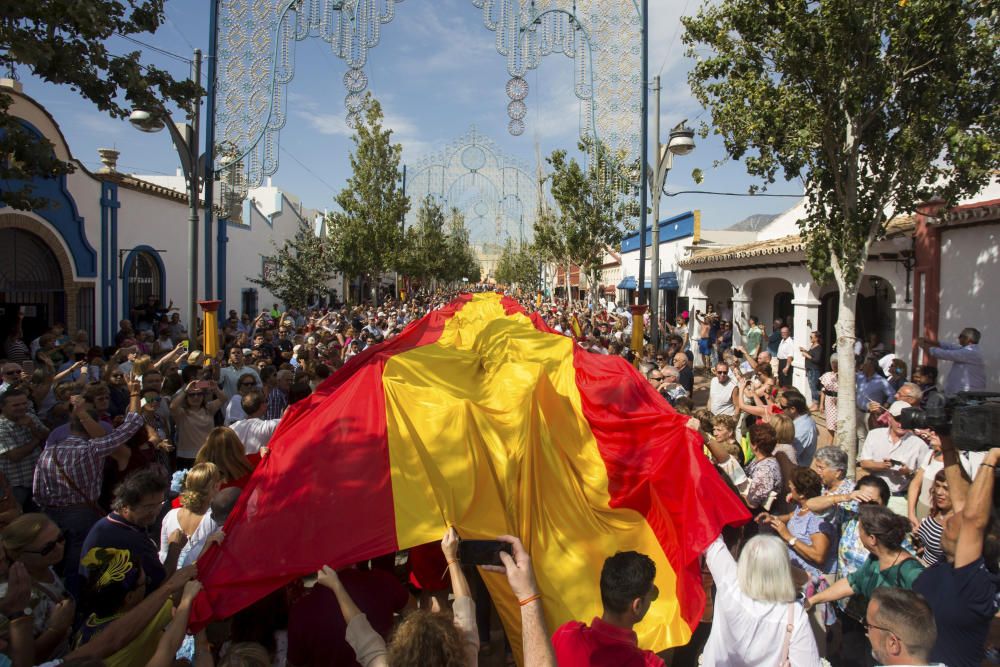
(517, 110)
(353, 121)
(481, 209)
(516, 127)
(354, 102)
(517, 88)
(355, 80)
(473, 158)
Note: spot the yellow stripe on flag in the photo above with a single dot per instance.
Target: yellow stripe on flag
(486, 433)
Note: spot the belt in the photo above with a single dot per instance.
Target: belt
(899, 494)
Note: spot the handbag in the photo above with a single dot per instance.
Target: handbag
(786, 644)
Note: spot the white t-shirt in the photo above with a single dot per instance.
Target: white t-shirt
(234, 410)
(255, 433)
(746, 632)
(910, 450)
(720, 397)
(196, 540)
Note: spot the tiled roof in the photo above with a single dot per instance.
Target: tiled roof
(780, 246)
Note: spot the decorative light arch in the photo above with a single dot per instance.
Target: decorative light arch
(495, 191)
(256, 60)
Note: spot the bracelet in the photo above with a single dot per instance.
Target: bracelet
(529, 600)
(988, 464)
(452, 562)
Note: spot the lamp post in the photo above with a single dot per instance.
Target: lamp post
(681, 142)
(185, 139)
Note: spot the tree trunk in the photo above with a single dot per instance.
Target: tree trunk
(569, 287)
(846, 437)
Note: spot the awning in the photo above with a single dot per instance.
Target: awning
(628, 282)
(668, 280)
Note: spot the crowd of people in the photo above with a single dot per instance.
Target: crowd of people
(119, 467)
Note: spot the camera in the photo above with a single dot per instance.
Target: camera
(972, 418)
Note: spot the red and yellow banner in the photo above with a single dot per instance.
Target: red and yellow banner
(480, 417)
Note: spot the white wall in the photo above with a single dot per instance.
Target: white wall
(970, 272)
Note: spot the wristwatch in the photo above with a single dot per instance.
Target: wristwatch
(792, 542)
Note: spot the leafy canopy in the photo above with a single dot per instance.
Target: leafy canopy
(366, 233)
(63, 42)
(875, 105)
(301, 269)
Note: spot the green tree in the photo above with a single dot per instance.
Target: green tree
(63, 42)
(366, 233)
(424, 251)
(550, 243)
(299, 270)
(593, 211)
(875, 105)
(518, 266)
(461, 260)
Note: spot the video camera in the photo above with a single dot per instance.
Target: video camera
(972, 418)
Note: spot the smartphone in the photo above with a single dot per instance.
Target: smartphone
(310, 580)
(896, 464)
(186, 344)
(206, 384)
(482, 552)
(738, 354)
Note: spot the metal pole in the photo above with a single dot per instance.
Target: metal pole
(193, 178)
(644, 153)
(654, 297)
(209, 173)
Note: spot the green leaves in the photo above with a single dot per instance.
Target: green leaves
(867, 103)
(367, 232)
(63, 42)
(303, 268)
(518, 265)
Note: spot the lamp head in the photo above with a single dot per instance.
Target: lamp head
(145, 121)
(681, 140)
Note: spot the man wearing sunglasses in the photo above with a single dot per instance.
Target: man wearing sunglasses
(900, 627)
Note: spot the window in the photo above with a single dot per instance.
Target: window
(249, 304)
(144, 279)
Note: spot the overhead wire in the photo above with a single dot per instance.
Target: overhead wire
(726, 194)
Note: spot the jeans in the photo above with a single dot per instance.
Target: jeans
(812, 374)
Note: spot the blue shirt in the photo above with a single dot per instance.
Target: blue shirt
(876, 388)
(116, 532)
(806, 435)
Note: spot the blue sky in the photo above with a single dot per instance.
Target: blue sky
(436, 73)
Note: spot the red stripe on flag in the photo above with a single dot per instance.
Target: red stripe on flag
(656, 467)
(323, 496)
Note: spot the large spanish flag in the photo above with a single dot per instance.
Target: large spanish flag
(480, 417)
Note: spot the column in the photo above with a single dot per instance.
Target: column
(805, 318)
(741, 311)
(903, 331)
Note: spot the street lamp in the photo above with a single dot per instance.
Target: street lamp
(185, 140)
(681, 142)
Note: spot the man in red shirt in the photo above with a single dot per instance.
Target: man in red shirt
(627, 591)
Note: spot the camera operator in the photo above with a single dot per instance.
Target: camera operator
(962, 589)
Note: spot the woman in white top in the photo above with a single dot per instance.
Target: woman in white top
(200, 486)
(754, 606)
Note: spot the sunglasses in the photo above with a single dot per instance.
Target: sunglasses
(248, 384)
(870, 626)
(196, 393)
(50, 546)
(12, 372)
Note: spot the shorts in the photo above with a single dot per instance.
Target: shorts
(705, 346)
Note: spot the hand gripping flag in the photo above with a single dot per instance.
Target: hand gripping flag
(480, 417)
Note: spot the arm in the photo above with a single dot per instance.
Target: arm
(177, 405)
(217, 401)
(815, 553)
(838, 591)
(123, 630)
(177, 540)
(90, 425)
(368, 645)
(521, 577)
(976, 513)
(202, 651)
(173, 635)
(62, 375)
(961, 355)
(449, 545)
(912, 495)
(60, 624)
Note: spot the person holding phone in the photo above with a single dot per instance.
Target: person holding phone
(193, 411)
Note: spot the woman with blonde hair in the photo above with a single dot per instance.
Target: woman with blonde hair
(201, 484)
(35, 541)
(224, 448)
(755, 620)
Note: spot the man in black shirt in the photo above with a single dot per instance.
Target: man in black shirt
(685, 372)
(962, 590)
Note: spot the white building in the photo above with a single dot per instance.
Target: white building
(931, 276)
(109, 240)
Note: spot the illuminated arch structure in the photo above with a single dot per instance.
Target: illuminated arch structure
(494, 191)
(256, 61)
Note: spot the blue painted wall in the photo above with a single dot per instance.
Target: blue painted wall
(671, 229)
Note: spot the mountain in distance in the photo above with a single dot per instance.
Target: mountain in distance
(753, 223)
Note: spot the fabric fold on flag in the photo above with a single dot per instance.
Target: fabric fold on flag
(479, 416)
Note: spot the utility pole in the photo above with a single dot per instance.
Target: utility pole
(654, 279)
(644, 152)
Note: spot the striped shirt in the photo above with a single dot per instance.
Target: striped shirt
(82, 461)
(14, 436)
(929, 531)
(277, 401)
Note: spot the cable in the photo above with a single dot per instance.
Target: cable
(170, 54)
(284, 150)
(672, 40)
(178, 31)
(726, 194)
